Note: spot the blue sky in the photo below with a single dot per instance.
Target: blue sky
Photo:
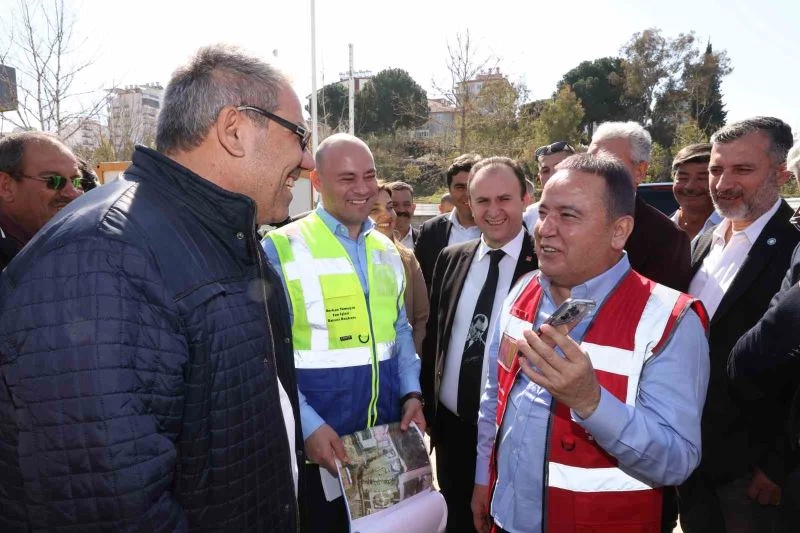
(536, 42)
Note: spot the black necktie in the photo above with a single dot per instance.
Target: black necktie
(469, 379)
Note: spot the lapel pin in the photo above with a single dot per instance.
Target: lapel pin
(528, 258)
(771, 241)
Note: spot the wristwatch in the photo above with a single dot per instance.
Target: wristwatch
(417, 395)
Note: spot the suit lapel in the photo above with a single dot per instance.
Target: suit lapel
(456, 285)
(767, 244)
(527, 259)
(701, 249)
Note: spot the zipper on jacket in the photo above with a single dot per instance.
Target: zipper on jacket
(263, 278)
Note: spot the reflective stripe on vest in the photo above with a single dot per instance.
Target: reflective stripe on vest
(335, 326)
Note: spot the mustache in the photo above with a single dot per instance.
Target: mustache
(402, 213)
(692, 192)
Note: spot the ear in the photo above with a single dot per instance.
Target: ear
(783, 174)
(230, 132)
(640, 172)
(413, 207)
(314, 176)
(8, 188)
(623, 227)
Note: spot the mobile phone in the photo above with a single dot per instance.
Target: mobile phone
(572, 310)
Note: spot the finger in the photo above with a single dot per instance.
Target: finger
(338, 449)
(533, 374)
(419, 419)
(571, 349)
(406, 420)
(539, 353)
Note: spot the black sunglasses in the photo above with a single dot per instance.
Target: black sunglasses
(56, 181)
(556, 147)
(303, 133)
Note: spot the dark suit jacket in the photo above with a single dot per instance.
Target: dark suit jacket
(658, 249)
(448, 280)
(414, 235)
(433, 237)
(741, 430)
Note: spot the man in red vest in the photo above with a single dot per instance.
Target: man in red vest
(578, 432)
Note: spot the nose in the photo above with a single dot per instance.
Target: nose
(307, 163)
(545, 226)
(70, 192)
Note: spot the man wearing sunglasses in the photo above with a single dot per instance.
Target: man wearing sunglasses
(39, 175)
(547, 157)
(146, 365)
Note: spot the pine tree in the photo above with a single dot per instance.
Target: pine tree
(705, 78)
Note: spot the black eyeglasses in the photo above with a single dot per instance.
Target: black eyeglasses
(556, 147)
(56, 181)
(303, 133)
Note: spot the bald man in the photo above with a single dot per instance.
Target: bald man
(344, 278)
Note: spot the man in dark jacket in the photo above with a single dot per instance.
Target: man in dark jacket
(39, 175)
(146, 370)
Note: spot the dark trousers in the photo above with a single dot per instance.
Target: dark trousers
(456, 453)
(322, 516)
(669, 510)
(708, 507)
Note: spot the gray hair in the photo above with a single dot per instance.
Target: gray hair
(633, 131)
(620, 195)
(777, 131)
(793, 160)
(12, 149)
(217, 76)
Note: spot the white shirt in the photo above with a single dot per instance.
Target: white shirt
(473, 283)
(459, 233)
(408, 240)
(530, 216)
(723, 261)
(713, 219)
(288, 419)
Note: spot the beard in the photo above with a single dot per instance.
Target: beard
(748, 208)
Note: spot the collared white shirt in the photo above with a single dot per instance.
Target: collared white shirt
(408, 240)
(459, 233)
(530, 216)
(713, 219)
(473, 283)
(724, 260)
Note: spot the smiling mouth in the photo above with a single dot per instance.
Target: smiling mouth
(496, 222)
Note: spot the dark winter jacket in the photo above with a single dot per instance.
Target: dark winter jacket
(139, 365)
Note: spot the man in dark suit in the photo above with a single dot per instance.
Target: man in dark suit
(470, 281)
(657, 248)
(449, 228)
(737, 267)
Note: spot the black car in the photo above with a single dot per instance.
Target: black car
(659, 195)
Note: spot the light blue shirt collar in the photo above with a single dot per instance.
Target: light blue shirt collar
(339, 229)
(599, 287)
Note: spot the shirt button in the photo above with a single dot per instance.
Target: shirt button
(240, 235)
(286, 340)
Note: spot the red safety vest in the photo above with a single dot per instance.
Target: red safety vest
(586, 491)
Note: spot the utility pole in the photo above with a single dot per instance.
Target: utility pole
(352, 95)
(314, 122)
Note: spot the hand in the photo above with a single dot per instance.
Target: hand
(412, 410)
(480, 509)
(324, 446)
(571, 379)
(763, 490)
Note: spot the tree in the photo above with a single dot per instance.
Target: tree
(390, 100)
(702, 81)
(600, 85)
(40, 45)
(689, 133)
(559, 120)
(493, 128)
(464, 63)
(651, 62)
(333, 106)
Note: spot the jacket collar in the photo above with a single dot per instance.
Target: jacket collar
(217, 208)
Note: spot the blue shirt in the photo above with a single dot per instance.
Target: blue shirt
(658, 439)
(408, 362)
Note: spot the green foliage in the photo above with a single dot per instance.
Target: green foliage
(559, 120)
(702, 80)
(492, 126)
(391, 100)
(600, 85)
(333, 108)
(689, 133)
(660, 164)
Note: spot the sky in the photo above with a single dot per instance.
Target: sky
(534, 42)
